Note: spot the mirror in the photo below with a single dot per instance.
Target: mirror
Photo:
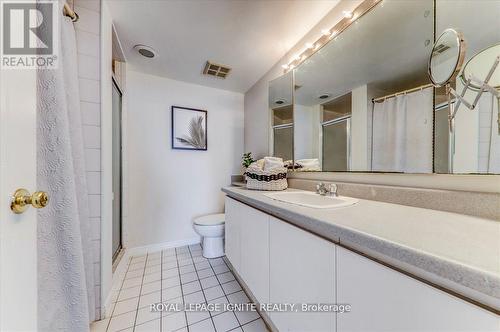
(366, 102)
(473, 147)
(281, 111)
(446, 58)
(373, 75)
(477, 66)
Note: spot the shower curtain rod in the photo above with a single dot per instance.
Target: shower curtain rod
(67, 11)
(381, 99)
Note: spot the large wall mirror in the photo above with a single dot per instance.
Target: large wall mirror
(364, 101)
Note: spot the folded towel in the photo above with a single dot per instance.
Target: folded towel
(256, 165)
(310, 165)
(272, 162)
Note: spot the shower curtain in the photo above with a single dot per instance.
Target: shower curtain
(402, 133)
(66, 298)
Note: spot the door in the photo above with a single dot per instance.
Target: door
(385, 300)
(117, 170)
(232, 230)
(302, 271)
(336, 145)
(254, 247)
(18, 232)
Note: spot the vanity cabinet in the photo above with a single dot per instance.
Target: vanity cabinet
(254, 244)
(247, 246)
(302, 270)
(232, 226)
(283, 264)
(385, 300)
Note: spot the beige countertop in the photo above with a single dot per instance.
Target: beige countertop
(457, 252)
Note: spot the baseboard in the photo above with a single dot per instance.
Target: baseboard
(137, 251)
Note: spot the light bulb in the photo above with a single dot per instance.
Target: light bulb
(347, 14)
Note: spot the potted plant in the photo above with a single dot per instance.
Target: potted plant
(246, 161)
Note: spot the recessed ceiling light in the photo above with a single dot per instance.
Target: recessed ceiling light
(145, 51)
(280, 101)
(324, 96)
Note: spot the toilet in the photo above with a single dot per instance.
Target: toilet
(211, 229)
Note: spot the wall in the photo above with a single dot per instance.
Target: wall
(168, 188)
(106, 159)
(88, 49)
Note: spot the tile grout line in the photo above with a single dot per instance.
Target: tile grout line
(202, 291)
(182, 291)
(119, 291)
(223, 292)
(140, 291)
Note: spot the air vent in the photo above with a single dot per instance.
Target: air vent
(213, 69)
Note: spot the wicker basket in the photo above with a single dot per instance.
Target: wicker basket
(272, 180)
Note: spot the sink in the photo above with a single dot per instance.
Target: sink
(312, 200)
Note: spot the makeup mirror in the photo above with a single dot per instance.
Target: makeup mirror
(479, 66)
(446, 58)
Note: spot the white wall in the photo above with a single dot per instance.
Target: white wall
(168, 188)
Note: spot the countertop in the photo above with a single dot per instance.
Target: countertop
(452, 251)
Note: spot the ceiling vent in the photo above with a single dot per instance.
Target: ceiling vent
(213, 69)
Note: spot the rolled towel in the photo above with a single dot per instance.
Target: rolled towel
(272, 162)
(309, 164)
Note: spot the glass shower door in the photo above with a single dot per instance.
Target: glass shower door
(336, 145)
(117, 171)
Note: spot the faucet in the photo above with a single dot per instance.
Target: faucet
(322, 190)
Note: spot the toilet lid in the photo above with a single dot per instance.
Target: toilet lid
(210, 220)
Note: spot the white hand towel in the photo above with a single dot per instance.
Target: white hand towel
(309, 164)
(272, 162)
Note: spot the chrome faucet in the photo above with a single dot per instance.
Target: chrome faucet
(322, 190)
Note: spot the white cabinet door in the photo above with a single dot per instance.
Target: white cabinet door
(232, 232)
(385, 300)
(302, 270)
(254, 239)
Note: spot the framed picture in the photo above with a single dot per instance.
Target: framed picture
(189, 128)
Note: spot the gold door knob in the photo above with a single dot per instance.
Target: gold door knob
(22, 199)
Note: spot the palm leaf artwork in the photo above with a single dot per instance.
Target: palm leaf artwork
(196, 137)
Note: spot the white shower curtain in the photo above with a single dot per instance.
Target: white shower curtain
(66, 298)
(402, 133)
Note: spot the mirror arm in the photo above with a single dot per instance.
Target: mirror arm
(460, 98)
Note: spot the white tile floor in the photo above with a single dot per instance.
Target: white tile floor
(178, 276)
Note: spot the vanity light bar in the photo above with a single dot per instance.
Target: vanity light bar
(328, 34)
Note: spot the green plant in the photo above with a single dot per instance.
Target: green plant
(247, 159)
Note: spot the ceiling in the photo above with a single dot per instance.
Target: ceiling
(250, 36)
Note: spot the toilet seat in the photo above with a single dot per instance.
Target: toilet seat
(210, 220)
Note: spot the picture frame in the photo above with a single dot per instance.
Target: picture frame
(189, 129)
